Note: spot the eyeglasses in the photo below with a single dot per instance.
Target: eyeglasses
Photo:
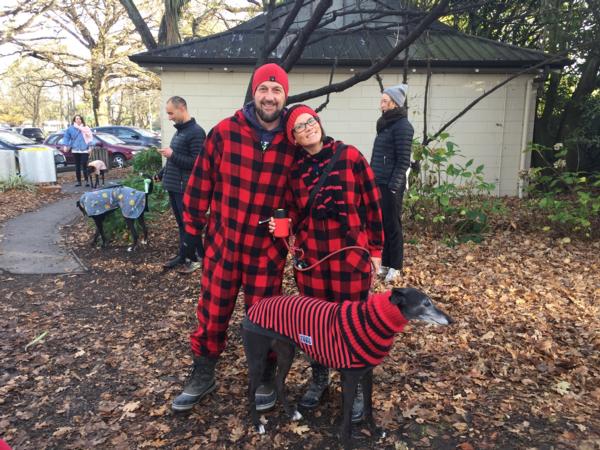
(302, 126)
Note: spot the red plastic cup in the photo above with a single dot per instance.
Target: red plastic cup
(282, 223)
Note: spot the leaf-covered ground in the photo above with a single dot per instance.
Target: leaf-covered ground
(520, 368)
(16, 202)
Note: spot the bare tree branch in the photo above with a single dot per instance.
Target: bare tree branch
(322, 106)
(66, 26)
(289, 19)
(312, 24)
(436, 12)
(427, 84)
(379, 82)
(467, 108)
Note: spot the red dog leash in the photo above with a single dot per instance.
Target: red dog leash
(298, 254)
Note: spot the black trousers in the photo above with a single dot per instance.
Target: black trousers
(176, 200)
(81, 163)
(393, 244)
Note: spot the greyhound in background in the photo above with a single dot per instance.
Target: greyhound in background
(132, 203)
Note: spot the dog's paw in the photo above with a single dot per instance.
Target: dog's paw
(260, 429)
(377, 432)
(131, 248)
(144, 242)
(296, 416)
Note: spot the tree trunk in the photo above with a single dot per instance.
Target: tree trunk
(168, 33)
(37, 94)
(571, 116)
(543, 133)
(139, 23)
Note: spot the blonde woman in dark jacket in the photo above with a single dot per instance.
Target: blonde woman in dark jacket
(390, 161)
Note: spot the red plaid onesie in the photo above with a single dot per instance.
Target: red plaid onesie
(345, 212)
(240, 184)
(343, 335)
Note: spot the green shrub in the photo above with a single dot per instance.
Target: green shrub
(16, 183)
(149, 161)
(565, 202)
(448, 198)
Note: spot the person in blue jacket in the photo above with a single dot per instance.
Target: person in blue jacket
(77, 138)
(390, 162)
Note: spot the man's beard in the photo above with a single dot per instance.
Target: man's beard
(268, 117)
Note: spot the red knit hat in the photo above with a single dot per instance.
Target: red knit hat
(293, 113)
(270, 72)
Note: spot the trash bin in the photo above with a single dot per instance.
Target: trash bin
(100, 153)
(8, 165)
(37, 164)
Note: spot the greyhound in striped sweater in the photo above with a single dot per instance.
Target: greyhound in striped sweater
(353, 337)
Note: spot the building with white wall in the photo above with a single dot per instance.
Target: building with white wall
(212, 74)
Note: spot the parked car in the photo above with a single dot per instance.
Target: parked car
(14, 141)
(118, 150)
(33, 133)
(131, 135)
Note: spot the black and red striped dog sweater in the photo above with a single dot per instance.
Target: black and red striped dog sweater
(343, 335)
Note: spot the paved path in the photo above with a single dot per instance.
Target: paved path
(29, 243)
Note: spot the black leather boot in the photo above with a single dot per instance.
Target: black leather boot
(317, 387)
(200, 382)
(266, 394)
(358, 407)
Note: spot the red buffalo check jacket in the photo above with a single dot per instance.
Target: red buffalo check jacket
(240, 183)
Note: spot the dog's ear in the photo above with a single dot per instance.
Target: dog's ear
(81, 208)
(398, 296)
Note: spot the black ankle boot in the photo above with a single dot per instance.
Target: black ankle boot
(358, 407)
(266, 394)
(200, 382)
(317, 387)
(174, 262)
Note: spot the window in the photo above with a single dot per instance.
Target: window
(125, 133)
(14, 138)
(55, 139)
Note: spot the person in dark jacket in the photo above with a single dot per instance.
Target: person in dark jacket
(390, 162)
(186, 145)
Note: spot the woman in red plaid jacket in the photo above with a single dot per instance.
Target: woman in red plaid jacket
(345, 212)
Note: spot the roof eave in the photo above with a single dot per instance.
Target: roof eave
(147, 60)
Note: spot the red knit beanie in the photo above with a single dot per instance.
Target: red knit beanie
(270, 72)
(293, 113)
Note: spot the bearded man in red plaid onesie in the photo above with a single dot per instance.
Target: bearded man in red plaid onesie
(240, 178)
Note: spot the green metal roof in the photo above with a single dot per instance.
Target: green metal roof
(445, 46)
